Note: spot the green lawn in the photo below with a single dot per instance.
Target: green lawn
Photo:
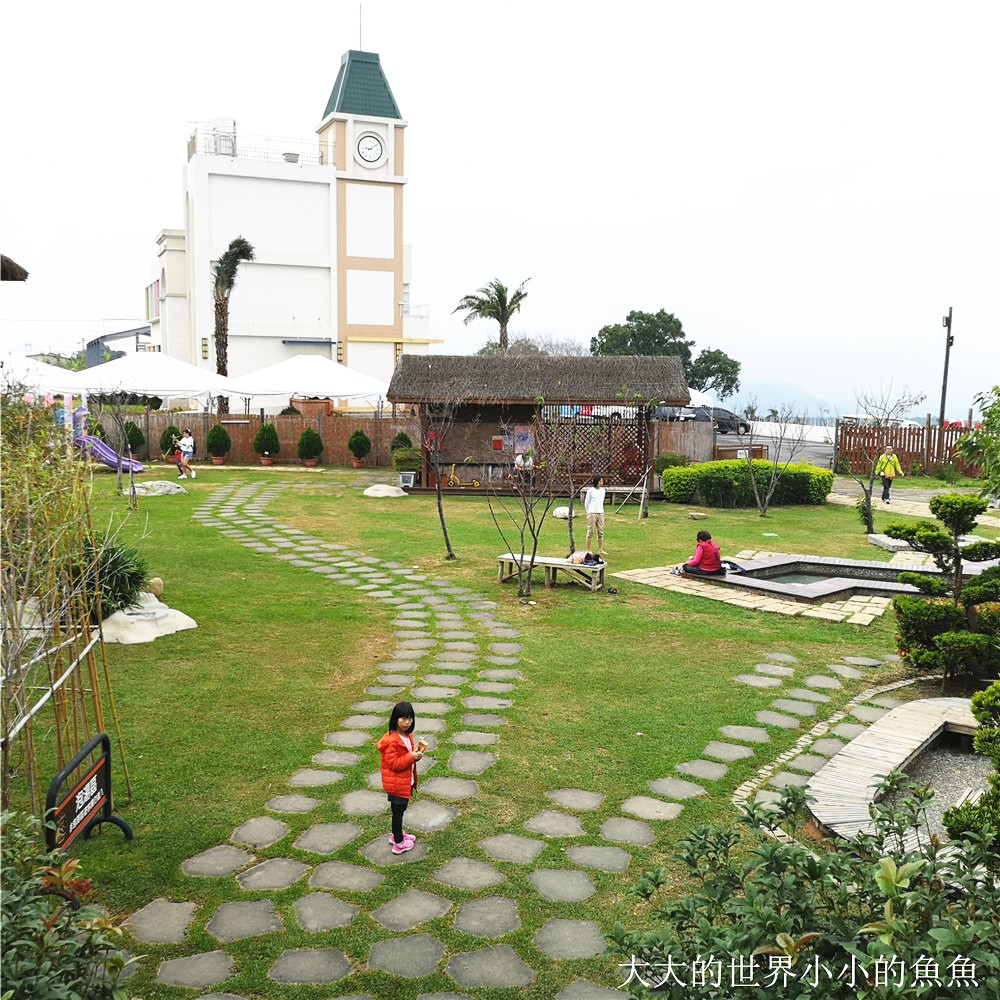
(616, 691)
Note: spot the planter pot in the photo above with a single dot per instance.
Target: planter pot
(266, 461)
(359, 463)
(218, 459)
(310, 463)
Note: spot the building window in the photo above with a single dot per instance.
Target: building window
(397, 352)
(204, 347)
(153, 300)
(340, 351)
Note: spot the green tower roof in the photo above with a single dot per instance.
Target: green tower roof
(361, 88)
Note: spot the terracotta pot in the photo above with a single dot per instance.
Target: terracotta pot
(310, 463)
(359, 463)
(266, 461)
(218, 459)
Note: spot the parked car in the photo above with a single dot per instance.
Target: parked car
(728, 421)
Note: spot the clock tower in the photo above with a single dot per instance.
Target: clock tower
(361, 136)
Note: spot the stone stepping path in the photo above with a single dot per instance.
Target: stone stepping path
(456, 661)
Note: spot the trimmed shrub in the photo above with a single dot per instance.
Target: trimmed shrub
(310, 444)
(359, 444)
(168, 438)
(266, 441)
(662, 462)
(218, 441)
(407, 460)
(920, 621)
(133, 434)
(401, 440)
(946, 472)
(727, 484)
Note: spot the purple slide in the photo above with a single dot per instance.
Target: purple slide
(106, 454)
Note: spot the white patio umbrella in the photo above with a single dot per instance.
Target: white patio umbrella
(150, 373)
(309, 375)
(36, 376)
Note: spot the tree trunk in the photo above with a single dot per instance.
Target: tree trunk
(503, 340)
(440, 503)
(222, 346)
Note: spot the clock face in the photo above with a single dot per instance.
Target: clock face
(370, 148)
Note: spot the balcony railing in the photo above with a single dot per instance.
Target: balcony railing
(210, 140)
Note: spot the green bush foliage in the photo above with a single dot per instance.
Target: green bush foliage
(169, 437)
(863, 506)
(218, 441)
(116, 573)
(266, 441)
(290, 411)
(310, 444)
(401, 440)
(359, 444)
(727, 484)
(946, 473)
(53, 948)
(407, 460)
(133, 434)
(668, 461)
(759, 904)
(96, 429)
(920, 621)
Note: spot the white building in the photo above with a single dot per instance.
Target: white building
(325, 217)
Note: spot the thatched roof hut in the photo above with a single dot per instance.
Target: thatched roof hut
(10, 270)
(437, 378)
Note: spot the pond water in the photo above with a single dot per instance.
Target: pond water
(799, 577)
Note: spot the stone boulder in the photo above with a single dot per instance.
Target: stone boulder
(145, 621)
(158, 488)
(155, 586)
(561, 512)
(382, 490)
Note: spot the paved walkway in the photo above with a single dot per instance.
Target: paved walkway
(912, 502)
(460, 665)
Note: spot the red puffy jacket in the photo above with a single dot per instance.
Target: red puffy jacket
(399, 774)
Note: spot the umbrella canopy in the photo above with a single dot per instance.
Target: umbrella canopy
(38, 376)
(309, 375)
(150, 373)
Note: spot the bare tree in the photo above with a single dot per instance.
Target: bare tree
(786, 442)
(883, 408)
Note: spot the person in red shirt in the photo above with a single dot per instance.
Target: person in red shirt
(400, 753)
(706, 560)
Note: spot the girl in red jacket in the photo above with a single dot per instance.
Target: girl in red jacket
(400, 754)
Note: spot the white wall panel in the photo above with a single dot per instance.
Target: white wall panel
(370, 298)
(281, 293)
(370, 220)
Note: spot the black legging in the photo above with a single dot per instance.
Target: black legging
(398, 805)
(698, 571)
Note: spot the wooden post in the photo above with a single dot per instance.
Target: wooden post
(927, 446)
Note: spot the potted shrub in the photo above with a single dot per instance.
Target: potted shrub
(310, 447)
(168, 443)
(266, 444)
(218, 443)
(359, 445)
(408, 460)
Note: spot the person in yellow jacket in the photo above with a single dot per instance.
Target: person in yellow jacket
(888, 468)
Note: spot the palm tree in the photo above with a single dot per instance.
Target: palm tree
(491, 302)
(224, 275)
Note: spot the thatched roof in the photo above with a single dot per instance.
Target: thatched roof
(437, 378)
(10, 270)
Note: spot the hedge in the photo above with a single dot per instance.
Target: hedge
(727, 484)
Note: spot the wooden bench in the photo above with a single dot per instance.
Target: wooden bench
(586, 576)
(844, 788)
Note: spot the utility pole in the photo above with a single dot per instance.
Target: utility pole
(949, 340)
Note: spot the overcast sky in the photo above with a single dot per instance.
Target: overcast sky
(807, 186)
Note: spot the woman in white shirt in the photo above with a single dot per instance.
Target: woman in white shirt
(593, 504)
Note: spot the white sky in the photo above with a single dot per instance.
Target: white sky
(807, 186)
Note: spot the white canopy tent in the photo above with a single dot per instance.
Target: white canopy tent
(310, 375)
(700, 398)
(150, 373)
(36, 376)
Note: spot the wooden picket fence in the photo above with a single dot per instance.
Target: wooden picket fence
(924, 447)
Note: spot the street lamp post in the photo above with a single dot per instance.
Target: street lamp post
(949, 340)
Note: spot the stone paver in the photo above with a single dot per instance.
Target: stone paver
(235, 921)
(314, 778)
(828, 746)
(465, 873)
(805, 694)
(486, 719)
(551, 823)
(319, 911)
(196, 971)
(275, 873)
(448, 788)
(161, 922)
(648, 808)
(849, 730)
(488, 917)
(810, 762)
(497, 966)
(413, 908)
(773, 670)
(582, 989)
(337, 758)
(823, 681)
(866, 713)
(344, 877)
(750, 734)
(379, 852)
(758, 681)
(785, 778)
(861, 661)
(471, 761)
(217, 862)
(605, 859)
(363, 721)
(364, 803)
(727, 751)
(355, 739)
(425, 816)
(325, 838)
(577, 798)
(848, 673)
(782, 657)
(411, 957)
(706, 769)
(310, 965)
(570, 938)
(470, 738)
(779, 720)
(563, 884)
(628, 831)
(484, 701)
(794, 706)
(676, 788)
(510, 847)
(261, 832)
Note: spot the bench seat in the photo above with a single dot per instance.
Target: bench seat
(587, 576)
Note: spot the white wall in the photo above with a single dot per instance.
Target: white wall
(371, 220)
(277, 293)
(372, 359)
(370, 298)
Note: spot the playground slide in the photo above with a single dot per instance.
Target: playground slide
(106, 454)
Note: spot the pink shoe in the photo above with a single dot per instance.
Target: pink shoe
(406, 845)
(408, 838)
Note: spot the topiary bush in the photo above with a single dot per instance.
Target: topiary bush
(310, 444)
(407, 460)
(662, 462)
(401, 440)
(133, 434)
(266, 441)
(218, 443)
(359, 444)
(727, 484)
(169, 438)
(54, 948)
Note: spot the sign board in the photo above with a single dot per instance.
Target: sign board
(87, 802)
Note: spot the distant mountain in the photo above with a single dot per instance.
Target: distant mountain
(770, 394)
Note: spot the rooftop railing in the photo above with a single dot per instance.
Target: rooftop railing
(213, 140)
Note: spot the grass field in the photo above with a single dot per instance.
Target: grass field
(617, 689)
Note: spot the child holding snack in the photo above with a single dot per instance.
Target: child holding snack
(400, 753)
